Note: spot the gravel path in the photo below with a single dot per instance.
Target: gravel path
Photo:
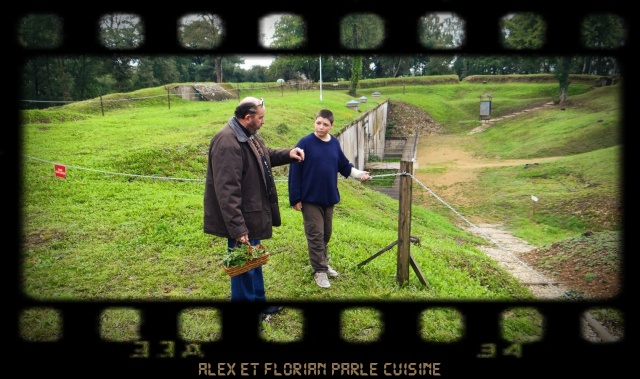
(504, 250)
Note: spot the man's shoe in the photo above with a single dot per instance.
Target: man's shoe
(321, 279)
(273, 309)
(331, 271)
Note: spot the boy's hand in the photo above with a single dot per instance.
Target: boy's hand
(365, 177)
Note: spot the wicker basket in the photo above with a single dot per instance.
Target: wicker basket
(250, 264)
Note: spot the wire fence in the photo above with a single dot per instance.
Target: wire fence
(382, 177)
(206, 92)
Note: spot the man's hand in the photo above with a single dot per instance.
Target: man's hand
(298, 206)
(297, 154)
(243, 239)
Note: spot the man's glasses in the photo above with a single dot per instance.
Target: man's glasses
(261, 103)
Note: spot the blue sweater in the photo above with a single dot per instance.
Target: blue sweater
(315, 180)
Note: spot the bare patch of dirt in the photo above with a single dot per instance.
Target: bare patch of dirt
(452, 165)
(408, 119)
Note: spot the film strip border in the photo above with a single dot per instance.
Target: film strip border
(481, 351)
(401, 19)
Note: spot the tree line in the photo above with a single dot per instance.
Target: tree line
(80, 77)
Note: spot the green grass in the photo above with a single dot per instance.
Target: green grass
(126, 223)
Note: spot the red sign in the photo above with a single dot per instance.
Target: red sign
(61, 171)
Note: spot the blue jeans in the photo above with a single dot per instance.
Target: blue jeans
(248, 286)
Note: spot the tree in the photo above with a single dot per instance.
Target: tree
(156, 70)
(121, 31)
(388, 66)
(562, 74)
(523, 31)
(527, 31)
(203, 31)
(289, 32)
(603, 31)
(293, 67)
(360, 31)
(39, 31)
(439, 31)
(90, 77)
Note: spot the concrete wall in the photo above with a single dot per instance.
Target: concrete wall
(365, 136)
(186, 92)
(395, 147)
(204, 91)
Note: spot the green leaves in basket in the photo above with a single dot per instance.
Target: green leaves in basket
(240, 254)
(235, 257)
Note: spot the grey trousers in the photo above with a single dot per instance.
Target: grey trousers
(318, 226)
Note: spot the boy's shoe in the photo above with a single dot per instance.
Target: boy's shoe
(331, 271)
(321, 279)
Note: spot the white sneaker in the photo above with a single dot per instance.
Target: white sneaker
(331, 271)
(321, 279)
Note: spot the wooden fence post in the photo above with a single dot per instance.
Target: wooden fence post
(404, 221)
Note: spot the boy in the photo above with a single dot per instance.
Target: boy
(313, 190)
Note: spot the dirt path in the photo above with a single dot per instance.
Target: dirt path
(459, 166)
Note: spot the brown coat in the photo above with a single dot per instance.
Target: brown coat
(236, 200)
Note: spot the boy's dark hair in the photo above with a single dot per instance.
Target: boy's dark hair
(325, 113)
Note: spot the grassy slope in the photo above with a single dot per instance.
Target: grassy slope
(112, 230)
